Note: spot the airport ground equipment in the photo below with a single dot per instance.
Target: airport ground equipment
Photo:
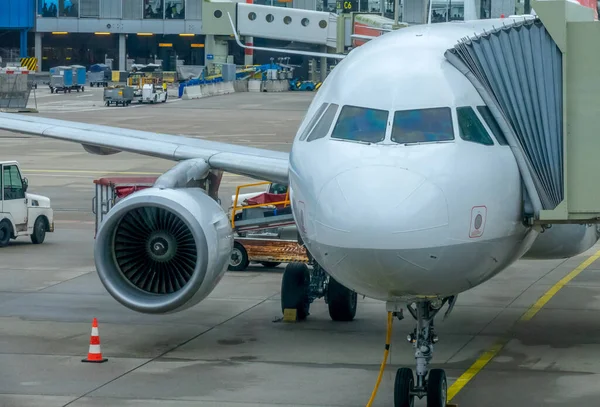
(79, 77)
(99, 75)
(109, 190)
(67, 78)
(61, 79)
(265, 246)
(15, 88)
(152, 93)
(118, 95)
(22, 213)
(310, 86)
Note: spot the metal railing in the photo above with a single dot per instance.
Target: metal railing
(235, 207)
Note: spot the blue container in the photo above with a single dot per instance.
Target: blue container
(78, 75)
(66, 72)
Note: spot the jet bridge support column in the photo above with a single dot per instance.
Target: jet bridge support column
(249, 52)
(122, 53)
(38, 50)
(323, 65)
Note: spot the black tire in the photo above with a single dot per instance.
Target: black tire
(437, 388)
(294, 289)
(402, 387)
(5, 233)
(341, 301)
(270, 264)
(239, 258)
(39, 231)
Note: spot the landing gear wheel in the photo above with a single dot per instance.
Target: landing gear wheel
(270, 264)
(5, 229)
(402, 388)
(294, 289)
(341, 301)
(437, 388)
(39, 231)
(239, 258)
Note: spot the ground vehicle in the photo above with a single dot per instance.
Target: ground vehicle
(270, 246)
(21, 213)
(152, 93)
(99, 75)
(110, 189)
(119, 95)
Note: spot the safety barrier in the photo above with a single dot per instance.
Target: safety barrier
(208, 89)
(198, 91)
(276, 86)
(255, 85)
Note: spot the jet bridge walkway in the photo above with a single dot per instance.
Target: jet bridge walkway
(538, 76)
(279, 23)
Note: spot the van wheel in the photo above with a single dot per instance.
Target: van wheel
(39, 231)
(5, 230)
(239, 258)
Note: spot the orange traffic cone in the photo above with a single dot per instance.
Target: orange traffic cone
(95, 354)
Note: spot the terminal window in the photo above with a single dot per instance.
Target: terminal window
(48, 8)
(175, 9)
(422, 125)
(59, 8)
(153, 9)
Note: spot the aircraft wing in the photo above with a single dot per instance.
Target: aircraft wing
(104, 140)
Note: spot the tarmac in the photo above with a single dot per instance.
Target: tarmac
(508, 342)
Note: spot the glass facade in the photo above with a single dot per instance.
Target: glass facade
(126, 9)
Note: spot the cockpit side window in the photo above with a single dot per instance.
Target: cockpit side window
(323, 126)
(422, 125)
(312, 121)
(484, 111)
(470, 128)
(361, 124)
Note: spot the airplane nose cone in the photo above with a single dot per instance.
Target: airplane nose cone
(381, 207)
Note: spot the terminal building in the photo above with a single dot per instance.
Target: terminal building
(197, 32)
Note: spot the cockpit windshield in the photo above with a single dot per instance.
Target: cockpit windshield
(422, 125)
(361, 124)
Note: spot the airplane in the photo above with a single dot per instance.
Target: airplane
(391, 198)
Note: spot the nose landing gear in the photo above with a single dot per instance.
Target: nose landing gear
(434, 386)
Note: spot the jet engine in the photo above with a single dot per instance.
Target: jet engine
(163, 250)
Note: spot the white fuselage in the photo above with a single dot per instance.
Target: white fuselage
(398, 221)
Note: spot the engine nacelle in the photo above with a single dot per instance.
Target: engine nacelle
(562, 241)
(163, 250)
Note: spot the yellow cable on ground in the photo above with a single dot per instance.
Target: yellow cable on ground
(388, 338)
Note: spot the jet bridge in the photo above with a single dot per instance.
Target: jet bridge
(288, 24)
(538, 76)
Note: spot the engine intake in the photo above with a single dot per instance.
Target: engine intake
(163, 250)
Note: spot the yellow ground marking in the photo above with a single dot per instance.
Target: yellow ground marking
(489, 354)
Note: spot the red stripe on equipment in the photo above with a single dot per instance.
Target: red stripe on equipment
(248, 51)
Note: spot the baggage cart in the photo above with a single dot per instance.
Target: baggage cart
(99, 75)
(119, 95)
(110, 190)
(61, 79)
(79, 77)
